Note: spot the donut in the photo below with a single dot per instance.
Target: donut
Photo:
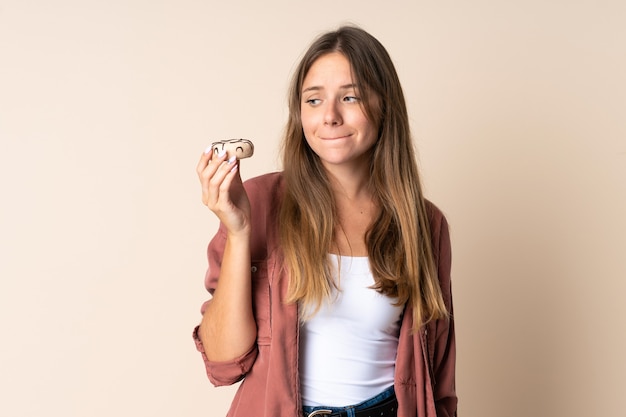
(240, 148)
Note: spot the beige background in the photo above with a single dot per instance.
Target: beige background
(518, 109)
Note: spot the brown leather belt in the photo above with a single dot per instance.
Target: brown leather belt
(387, 408)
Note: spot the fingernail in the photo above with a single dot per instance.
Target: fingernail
(207, 150)
(232, 159)
(221, 153)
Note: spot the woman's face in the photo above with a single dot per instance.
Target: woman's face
(332, 114)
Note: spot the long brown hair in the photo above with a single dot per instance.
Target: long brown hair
(398, 242)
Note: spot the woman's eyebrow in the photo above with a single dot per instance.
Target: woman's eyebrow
(313, 88)
(318, 88)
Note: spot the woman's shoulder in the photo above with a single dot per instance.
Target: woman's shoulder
(435, 215)
(439, 229)
(265, 194)
(266, 186)
(265, 180)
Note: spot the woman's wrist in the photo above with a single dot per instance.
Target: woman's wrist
(239, 236)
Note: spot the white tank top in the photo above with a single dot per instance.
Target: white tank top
(348, 349)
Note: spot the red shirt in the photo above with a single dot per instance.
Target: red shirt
(425, 365)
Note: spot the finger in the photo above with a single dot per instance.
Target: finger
(208, 156)
(204, 160)
(223, 176)
(223, 202)
(231, 168)
(207, 167)
(218, 185)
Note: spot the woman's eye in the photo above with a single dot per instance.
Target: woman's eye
(313, 101)
(351, 99)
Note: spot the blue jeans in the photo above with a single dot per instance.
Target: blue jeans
(350, 409)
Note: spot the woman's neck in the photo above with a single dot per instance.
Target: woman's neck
(356, 210)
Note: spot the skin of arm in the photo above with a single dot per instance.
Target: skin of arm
(228, 329)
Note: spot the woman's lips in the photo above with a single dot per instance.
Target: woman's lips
(334, 137)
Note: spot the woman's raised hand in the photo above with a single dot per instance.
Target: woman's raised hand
(223, 192)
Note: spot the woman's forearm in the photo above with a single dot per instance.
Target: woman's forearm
(228, 329)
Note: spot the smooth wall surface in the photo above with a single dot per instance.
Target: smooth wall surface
(518, 110)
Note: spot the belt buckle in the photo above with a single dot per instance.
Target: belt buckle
(320, 413)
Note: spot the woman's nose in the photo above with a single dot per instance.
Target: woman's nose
(332, 116)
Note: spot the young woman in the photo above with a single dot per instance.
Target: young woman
(330, 280)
